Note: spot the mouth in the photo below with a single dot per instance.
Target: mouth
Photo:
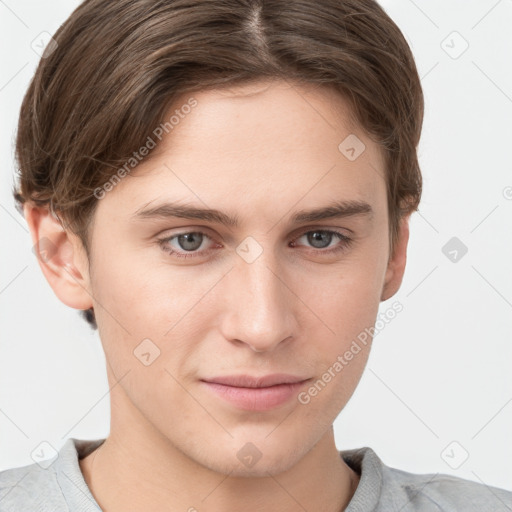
(256, 393)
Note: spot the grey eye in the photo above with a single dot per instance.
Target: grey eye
(190, 241)
(319, 239)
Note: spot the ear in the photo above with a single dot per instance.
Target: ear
(396, 264)
(61, 257)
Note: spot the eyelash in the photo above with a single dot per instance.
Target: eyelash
(347, 241)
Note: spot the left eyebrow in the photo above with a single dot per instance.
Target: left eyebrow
(338, 209)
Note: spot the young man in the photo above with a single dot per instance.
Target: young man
(224, 188)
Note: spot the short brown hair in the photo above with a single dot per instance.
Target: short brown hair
(118, 66)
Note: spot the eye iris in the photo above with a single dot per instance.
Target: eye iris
(190, 241)
(319, 236)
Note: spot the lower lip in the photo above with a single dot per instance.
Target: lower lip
(256, 399)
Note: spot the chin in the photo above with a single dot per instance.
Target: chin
(253, 459)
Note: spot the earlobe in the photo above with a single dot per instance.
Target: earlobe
(61, 257)
(396, 265)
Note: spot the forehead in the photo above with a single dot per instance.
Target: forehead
(265, 143)
(266, 108)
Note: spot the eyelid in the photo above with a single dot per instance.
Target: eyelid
(297, 233)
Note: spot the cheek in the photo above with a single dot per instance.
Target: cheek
(143, 292)
(346, 304)
(339, 356)
(138, 300)
(345, 296)
(349, 313)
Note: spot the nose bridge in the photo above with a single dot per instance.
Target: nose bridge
(261, 313)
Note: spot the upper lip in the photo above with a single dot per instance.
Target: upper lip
(247, 381)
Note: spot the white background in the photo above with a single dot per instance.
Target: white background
(439, 372)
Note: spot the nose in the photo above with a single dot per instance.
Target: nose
(259, 305)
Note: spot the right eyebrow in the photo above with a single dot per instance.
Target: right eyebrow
(169, 210)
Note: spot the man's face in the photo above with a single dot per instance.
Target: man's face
(270, 295)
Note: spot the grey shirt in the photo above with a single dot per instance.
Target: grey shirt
(61, 487)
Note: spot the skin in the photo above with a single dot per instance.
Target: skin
(260, 152)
